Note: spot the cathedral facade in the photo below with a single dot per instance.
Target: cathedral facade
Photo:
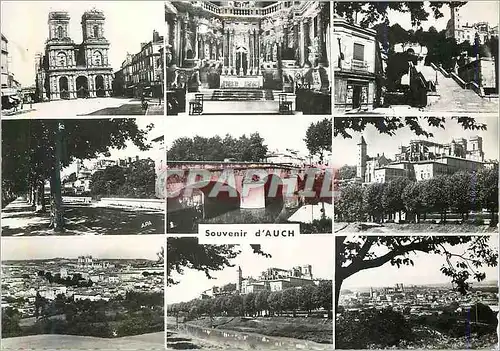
(67, 70)
(248, 44)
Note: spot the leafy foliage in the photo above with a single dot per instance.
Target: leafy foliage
(319, 138)
(243, 149)
(355, 254)
(343, 126)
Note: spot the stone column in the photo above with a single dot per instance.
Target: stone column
(196, 49)
(185, 41)
(250, 53)
(91, 81)
(225, 45)
(302, 43)
(71, 85)
(230, 50)
(321, 38)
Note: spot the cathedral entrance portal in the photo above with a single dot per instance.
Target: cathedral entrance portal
(82, 87)
(241, 61)
(63, 88)
(99, 86)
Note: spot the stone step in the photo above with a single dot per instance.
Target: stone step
(241, 95)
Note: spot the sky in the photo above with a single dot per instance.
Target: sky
(473, 11)
(279, 132)
(425, 271)
(381, 143)
(99, 246)
(130, 150)
(127, 25)
(316, 250)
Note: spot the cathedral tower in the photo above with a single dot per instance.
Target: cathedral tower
(361, 166)
(240, 280)
(58, 25)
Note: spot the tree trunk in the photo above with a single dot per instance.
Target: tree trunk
(40, 201)
(338, 285)
(58, 219)
(56, 212)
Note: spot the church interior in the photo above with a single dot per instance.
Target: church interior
(248, 50)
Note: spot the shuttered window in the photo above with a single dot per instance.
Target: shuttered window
(359, 52)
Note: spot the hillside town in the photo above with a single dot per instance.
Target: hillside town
(84, 278)
(419, 300)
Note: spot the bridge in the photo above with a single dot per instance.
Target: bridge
(232, 185)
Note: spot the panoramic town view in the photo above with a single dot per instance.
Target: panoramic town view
(416, 292)
(266, 178)
(61, 177)
(416, 174)
(71, 59)
(393, 57)
(94, 292)
(259, 296)
(249, 175)
(248, 57)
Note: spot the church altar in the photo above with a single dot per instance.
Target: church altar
(241, 82)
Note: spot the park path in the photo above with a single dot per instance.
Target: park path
(454, 98)
(19, 219)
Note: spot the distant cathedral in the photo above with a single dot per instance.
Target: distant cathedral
(67, 70)
(421, 160)
(455, 28)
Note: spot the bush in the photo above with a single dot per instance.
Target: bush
(371, 329)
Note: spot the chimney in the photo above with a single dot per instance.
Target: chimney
(137, 158)
(156, 36)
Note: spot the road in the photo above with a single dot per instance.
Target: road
(81, 107)
(18, 219)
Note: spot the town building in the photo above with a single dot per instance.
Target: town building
(67, 70)
(357, 66)
(420, 160)
(480, 31)
(11, 88)
(5, 62)
(261, 49)
(275, 279)
(141, 74)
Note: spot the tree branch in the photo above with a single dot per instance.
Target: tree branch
(357, 266)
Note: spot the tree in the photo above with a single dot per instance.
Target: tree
(487, 191)
(186, 252)
(274, 301)
(356, 254)
(319, 138)
(349, 207)
(392, 199)
(249, 304)
(462, 192)
(374, 12)
(344, 126)
(305, 297)
(139, 180)
(413, 200)
(261, 301)
(244, 149)
(346, 172)
(323, 295)
(289, 300)
(107, 181)
(372, 201)
(47, 146)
